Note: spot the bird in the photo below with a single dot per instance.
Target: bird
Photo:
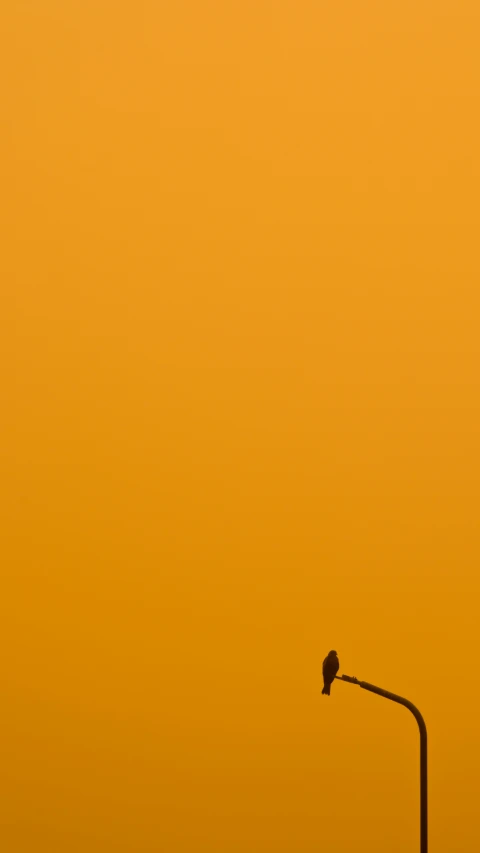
(331, 666)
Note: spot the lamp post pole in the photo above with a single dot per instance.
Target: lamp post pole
(423, 749)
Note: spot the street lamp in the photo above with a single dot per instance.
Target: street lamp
(423, 749)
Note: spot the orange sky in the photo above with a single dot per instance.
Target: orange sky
(240, 425)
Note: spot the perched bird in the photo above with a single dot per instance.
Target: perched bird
(331, 666)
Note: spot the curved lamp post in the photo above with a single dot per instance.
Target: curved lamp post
(423, 750)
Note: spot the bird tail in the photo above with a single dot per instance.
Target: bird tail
(326, 690)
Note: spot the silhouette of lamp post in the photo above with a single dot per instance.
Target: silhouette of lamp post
(423, 749)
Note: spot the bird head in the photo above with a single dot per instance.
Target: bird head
(332, 653)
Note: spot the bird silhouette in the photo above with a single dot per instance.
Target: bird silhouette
(331, 666)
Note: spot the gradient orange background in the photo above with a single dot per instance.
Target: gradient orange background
(240, 424)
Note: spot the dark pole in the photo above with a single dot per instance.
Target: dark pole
(423, 750)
